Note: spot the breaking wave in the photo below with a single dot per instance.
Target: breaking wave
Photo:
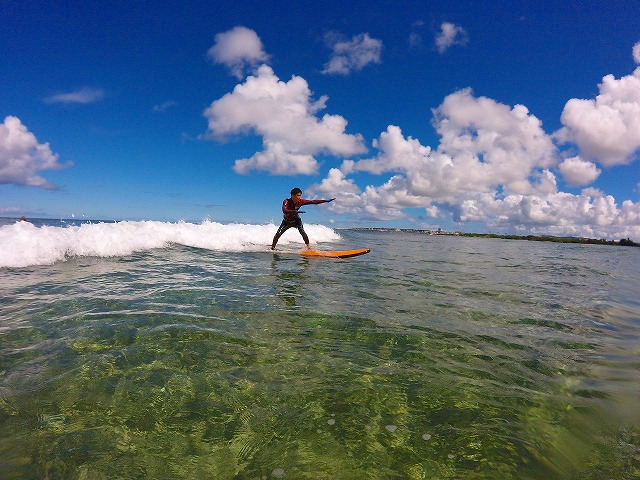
(24, 244)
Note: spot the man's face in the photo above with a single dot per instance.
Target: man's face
(296, 197)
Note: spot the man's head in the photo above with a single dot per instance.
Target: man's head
(296, 192)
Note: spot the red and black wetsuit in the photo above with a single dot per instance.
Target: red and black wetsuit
(292, 218)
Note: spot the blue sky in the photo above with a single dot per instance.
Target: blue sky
(518, 116)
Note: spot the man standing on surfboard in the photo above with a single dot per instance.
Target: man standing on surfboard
(292, 218)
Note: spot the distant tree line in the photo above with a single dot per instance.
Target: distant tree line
(625, 242)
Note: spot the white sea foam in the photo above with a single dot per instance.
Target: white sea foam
(23, 244)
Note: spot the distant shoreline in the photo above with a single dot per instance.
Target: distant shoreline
(534, 238)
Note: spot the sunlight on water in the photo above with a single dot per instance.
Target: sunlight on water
(428, 358)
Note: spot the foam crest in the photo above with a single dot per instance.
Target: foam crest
(23, 244)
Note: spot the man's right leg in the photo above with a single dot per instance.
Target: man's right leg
(283, 228)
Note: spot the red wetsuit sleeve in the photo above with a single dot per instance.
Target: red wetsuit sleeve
(290, 213)
(304, 201)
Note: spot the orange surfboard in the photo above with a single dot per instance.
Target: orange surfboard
(334, 253)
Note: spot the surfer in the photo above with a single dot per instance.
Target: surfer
(292, 218)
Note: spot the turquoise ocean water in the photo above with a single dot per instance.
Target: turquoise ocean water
(156, 350)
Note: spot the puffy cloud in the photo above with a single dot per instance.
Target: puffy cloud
(606, 129)
(352, 55)
(387, 201)
(449, 35)
(492, 143)
(578, 172)
(21, 156)
(284, 115)
(636, 52)
(484, 144)
(238, 49)
(494, 164)
(397, 154)
(337, 181)
(589, 214)
(83, 96)
(277, 160)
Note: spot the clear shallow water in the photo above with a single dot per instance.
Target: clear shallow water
(430, 357)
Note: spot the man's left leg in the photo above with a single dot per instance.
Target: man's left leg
(305, 237)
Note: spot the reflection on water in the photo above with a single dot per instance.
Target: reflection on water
(289, 277)
(487, 359)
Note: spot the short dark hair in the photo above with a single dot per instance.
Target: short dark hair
(296, 191)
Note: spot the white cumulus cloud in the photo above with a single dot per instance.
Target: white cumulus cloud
(22, 157)
(352, 55)
(449, 35)
(494, 164)
(636, 52)
(284, 114)
(578, 172)
(336, 181)
(607, 128)
(238, 49)
(491, 143)
(484, 144)
(83, 96)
